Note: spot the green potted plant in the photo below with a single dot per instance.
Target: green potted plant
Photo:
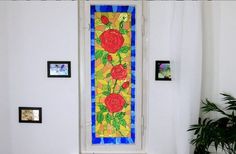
(219, 132)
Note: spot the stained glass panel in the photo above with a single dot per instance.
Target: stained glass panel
(113, 74)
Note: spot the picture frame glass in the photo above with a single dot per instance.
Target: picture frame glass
(59, 69)
(163, 70)
(30, 115)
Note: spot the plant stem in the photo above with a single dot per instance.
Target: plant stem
(119, 57)
(114, 86)
(121, 133)
(120, 89)
(111, 63)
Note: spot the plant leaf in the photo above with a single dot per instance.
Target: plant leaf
(102, 108)
(98, 41)
(104, 58)
(99, 75)
(120, 115)
(106, 93)
(108, 75)
(116, 124)
(227, 97)
(98, 54)
(108, 118)
(126, 104)
(125, 65)
(123, 31)
(121, 25)
(124, 49)
(100, 117)
(123, 122)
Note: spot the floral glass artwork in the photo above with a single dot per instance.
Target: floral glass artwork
(113, 74)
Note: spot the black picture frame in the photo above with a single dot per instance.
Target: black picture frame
(159, 70)
(60, 72)
(30, 114)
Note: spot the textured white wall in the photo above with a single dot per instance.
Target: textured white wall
(4, 104)
(38, 32)
(160, 110)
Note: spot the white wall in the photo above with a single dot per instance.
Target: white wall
(160, 108)
(4, 104)
(38, 32)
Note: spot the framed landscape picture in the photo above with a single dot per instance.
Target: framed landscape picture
(163, 71)
(30, 114)
(59, 69)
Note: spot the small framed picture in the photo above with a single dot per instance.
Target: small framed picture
(59, 69)
(30, 114)
(163, 71)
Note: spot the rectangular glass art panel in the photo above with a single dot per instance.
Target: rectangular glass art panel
(113, 74)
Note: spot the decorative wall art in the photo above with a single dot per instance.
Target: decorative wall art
(113, 74)
(59, 69)
(30, 115)
(163, 71)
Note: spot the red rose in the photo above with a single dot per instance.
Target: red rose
(118, 72)
(109, 58)
(111, 40)
(104, 20)
(125, 85)
(114, 102)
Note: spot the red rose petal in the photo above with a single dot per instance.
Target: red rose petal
(114, 102)
(111, 40)
(118, 72)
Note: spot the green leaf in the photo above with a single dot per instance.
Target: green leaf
(98, 40)
(109, 25)
(98, 54)
(102, 108)
(120, 115)
(124, 49)
(121, 25)
(123, 31)
(109, 87)
(125, 105)
(116, 124)
(125, 65)
(100, 117)
(118, 54)
(108, 118)
(99, 75)
(228, 97)
(104, 58)
(123, 122)
(108, 75)
(106, 93)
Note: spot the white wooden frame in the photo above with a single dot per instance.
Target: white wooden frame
(85, 89)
